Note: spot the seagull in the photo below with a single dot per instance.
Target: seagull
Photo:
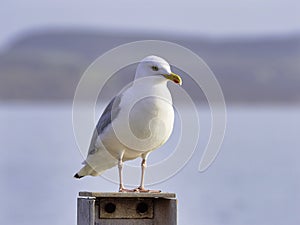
(137, 121)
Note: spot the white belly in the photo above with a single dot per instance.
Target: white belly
(152, 118)
(144, 125)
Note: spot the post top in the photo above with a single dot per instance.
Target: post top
(126, 195)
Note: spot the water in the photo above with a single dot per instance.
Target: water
(255, 179)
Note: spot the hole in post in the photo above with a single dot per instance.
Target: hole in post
(142, 207)
(110, 207)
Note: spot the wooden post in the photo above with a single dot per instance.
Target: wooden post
(96, 208)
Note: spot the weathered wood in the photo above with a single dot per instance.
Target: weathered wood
(126, 195)
(126, 208)
(125, 222)
(96, 208)
(86, 211)
(165, 211)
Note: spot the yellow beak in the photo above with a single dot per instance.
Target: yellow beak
(174, 77)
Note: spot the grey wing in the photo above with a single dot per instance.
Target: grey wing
(109, 114)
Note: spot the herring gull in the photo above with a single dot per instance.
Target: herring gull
(136, 122)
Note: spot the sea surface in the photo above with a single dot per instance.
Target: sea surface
(254, 180)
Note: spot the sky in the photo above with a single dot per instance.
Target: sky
(215, 18)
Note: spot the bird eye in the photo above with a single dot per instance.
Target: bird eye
(154, 68)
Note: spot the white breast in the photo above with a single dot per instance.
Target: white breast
(152, 117)
(149, 115)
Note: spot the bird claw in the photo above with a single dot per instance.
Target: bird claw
(143, 190)
(124, 190)
(138, 190)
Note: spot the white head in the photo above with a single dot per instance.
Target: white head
(156, 66)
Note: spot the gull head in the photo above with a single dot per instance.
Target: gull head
(156, 66)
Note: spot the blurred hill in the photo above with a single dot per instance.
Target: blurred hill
(46, 66)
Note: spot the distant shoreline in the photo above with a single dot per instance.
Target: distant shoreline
(47, 66)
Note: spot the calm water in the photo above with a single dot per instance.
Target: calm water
(255, 179)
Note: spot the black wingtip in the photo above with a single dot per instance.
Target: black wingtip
(77, 176)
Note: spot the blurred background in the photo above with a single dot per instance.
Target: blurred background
(253, 48)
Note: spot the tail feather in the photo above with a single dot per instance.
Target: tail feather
(77, 176)
(96, 164)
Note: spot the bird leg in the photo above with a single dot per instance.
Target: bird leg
(141, 188)
(120, 167)
(143, 166)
